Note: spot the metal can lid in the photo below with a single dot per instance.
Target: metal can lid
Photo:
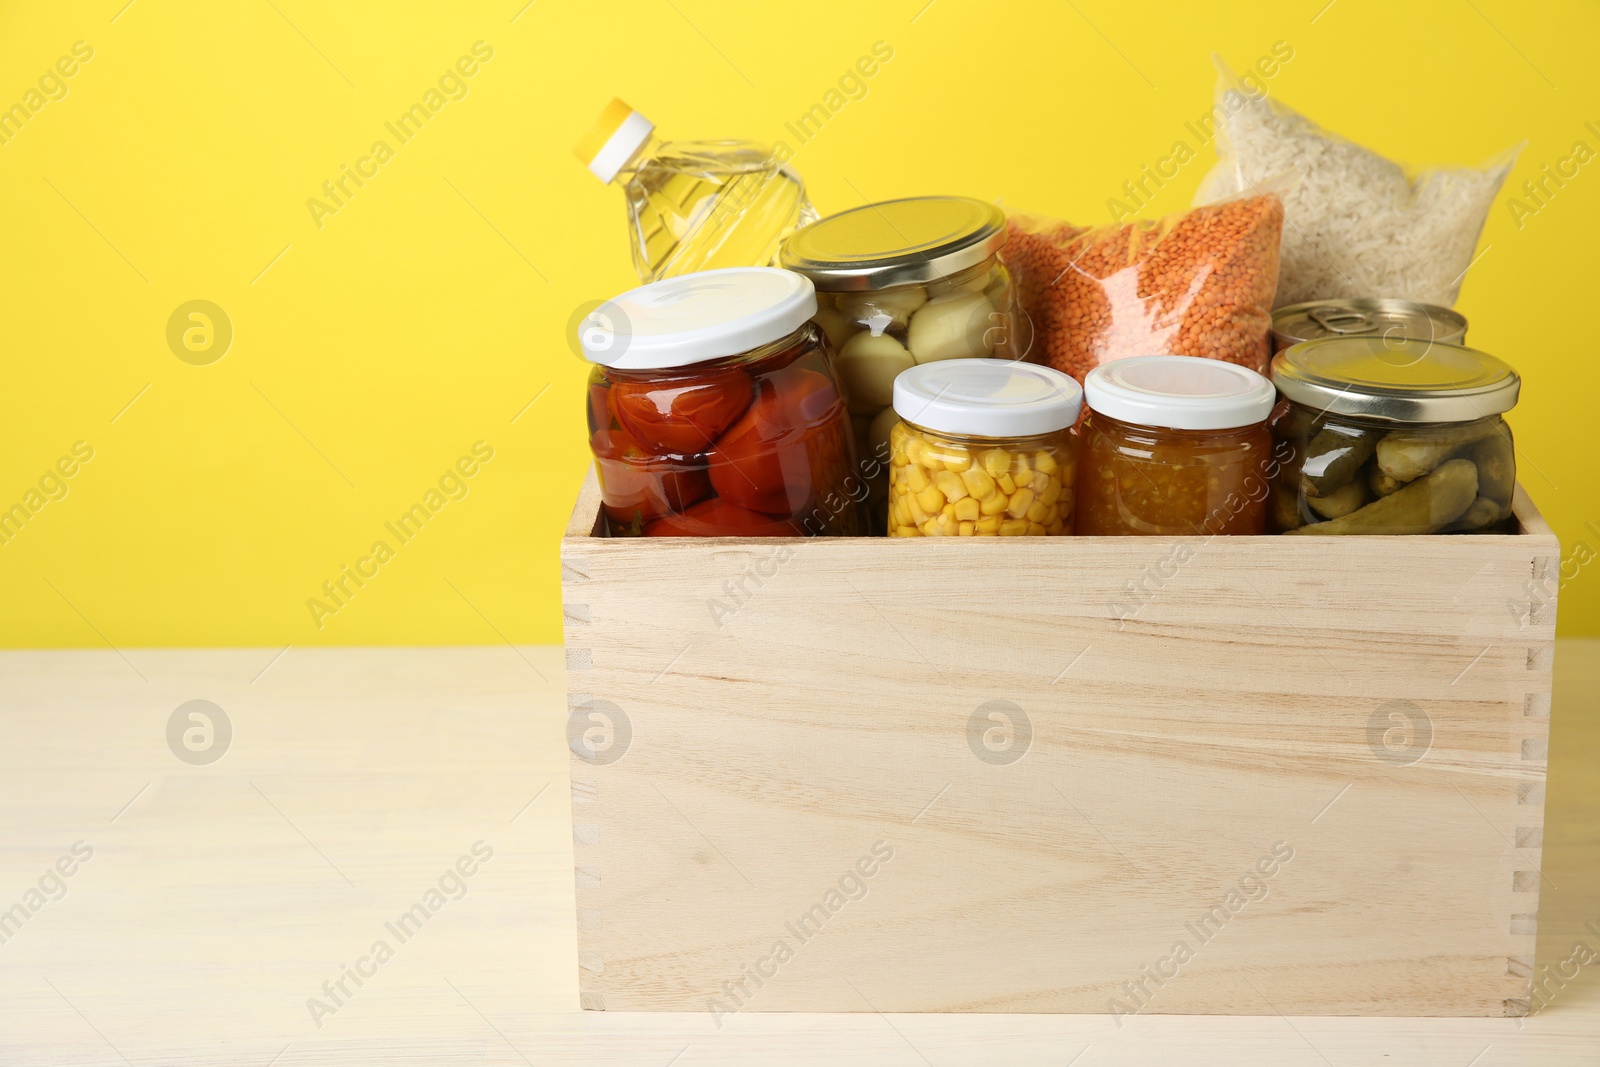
(1368, 317)
(1396, 379)
(897, 242)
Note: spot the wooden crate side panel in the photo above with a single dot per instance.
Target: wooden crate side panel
(791, 706)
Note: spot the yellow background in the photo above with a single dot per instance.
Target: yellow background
(430, 310)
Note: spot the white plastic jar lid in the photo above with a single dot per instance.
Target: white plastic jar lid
(987, 398)
(692, 318)
(1179, 393)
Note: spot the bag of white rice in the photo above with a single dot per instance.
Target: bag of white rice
(1355, 224)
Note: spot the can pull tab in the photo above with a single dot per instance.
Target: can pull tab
(1341, 320)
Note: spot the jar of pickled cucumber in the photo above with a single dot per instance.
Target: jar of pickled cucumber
(1393, 436)
(1174, 446)
(982, 448)
(714, 410)
(903, 283)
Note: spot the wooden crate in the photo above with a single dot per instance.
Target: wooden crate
(1115, 775)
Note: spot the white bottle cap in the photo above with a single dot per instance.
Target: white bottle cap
(692, 318)
(1179, 393)
(987, 398)
(617, 135)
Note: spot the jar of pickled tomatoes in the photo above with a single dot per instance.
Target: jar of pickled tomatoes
(715, 410)
(1175, 446)
(982, 448)
(902, 283)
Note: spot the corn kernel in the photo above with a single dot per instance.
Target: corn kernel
(978, 483)
(1007, 486)
(1021, 501)
(1040, 513)
(967, 529)
(1036, 529)
(950, 484)
(917, 479)
(1051, 491)
(1045, 462)
(918, 516)
(1014, 528)
(989, 527)
(996, 462)
(907, 531)
(1023, 477)
(967, 509)
(1056, 529)
(993, 504)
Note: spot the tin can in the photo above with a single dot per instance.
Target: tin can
(1317, 320)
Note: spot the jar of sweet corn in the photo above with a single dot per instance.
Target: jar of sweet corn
(1175, 446)
(714, 410)
(1393, 436)
(982, 448)
(903, 283)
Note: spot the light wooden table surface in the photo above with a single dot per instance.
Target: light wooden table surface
(220, 898)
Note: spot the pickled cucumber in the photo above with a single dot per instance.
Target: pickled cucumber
(1381, 484)
(1408, 454)
(1342, 501)
(1297, 422)
(1483, 512)
(1497, 467)
(1425, 505)
(1283, 510)
(1333, 457)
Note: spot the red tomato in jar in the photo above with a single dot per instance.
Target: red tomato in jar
(599, 407)
(719, 518)
(637, 487)
(681, 419)
(788, 448)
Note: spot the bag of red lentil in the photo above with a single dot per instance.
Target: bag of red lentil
(1199, 283)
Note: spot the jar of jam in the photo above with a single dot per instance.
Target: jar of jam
(1393, 436)
(903, 283)
(715, 410)
(982, 448)
(1175, 446)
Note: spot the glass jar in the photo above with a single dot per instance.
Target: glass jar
(1393, 436)
(1174, 446)
(982, 448)
(714, 410)
(903, 283)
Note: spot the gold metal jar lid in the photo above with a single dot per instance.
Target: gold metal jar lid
(1396, 379)
(897, 242)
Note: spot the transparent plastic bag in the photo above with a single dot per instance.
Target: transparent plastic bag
(1355, 224)
(1198, 283)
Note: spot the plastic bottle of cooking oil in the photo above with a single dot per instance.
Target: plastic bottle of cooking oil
(695, 205)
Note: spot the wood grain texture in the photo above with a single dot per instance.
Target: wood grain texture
(205, 919)
(1379, 707)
